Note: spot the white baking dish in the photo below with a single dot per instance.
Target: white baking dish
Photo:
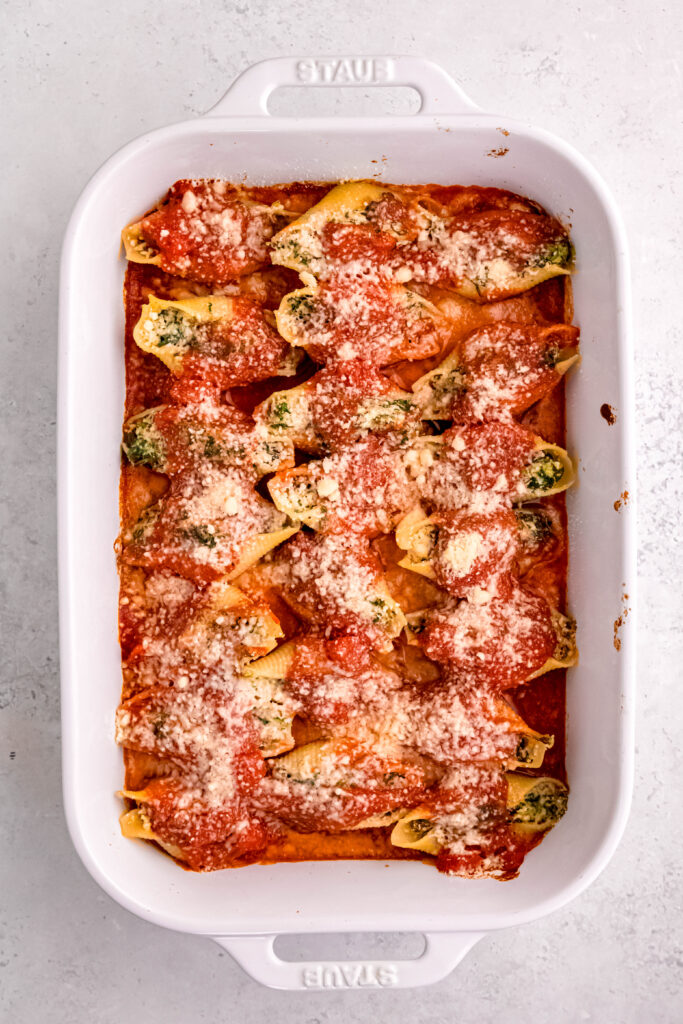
(449, 141)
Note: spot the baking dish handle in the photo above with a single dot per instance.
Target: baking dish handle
(256, 955)
(249, 93)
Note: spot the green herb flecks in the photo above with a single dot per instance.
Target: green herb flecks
(481, 280)
(172, 328)
(402, 404)
(278, 414)
(558, 253)
(383, 613)
(301, 306)
(543, 805)
(303, 495)
(565, 631)
(551, 357)
(159, 725)
(142, 443)
(535, 527)
(212, 449)
(144, 525)
(271, 454)
(203, 534)
(545, 471)
(290, 249)
(420, 827)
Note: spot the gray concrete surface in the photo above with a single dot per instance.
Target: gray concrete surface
(81, 78)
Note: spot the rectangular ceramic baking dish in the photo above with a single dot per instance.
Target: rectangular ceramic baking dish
(449, 141)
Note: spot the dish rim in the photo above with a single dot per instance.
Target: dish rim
(406, 126)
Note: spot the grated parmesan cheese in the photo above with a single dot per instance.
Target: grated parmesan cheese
(372, 741)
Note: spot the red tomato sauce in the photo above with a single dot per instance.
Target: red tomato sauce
(493, 535)
(507, 368)
(207, 836)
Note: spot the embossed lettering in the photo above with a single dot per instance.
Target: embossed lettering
(326, 70)
(381, 70)
(364, 70)
(352, 974)
(312, 977)
(352, 70)
(333, 977)
(343, 73)
(305, 70)
(387, 974)
(349, 975)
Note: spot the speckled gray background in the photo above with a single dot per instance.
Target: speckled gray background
(81, 78)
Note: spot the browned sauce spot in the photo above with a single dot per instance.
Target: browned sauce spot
(618, 623)
(608, 414)
(498, 152)
(503, 131)
(621, 501)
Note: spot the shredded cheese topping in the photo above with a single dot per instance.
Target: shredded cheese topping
(332, 688)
